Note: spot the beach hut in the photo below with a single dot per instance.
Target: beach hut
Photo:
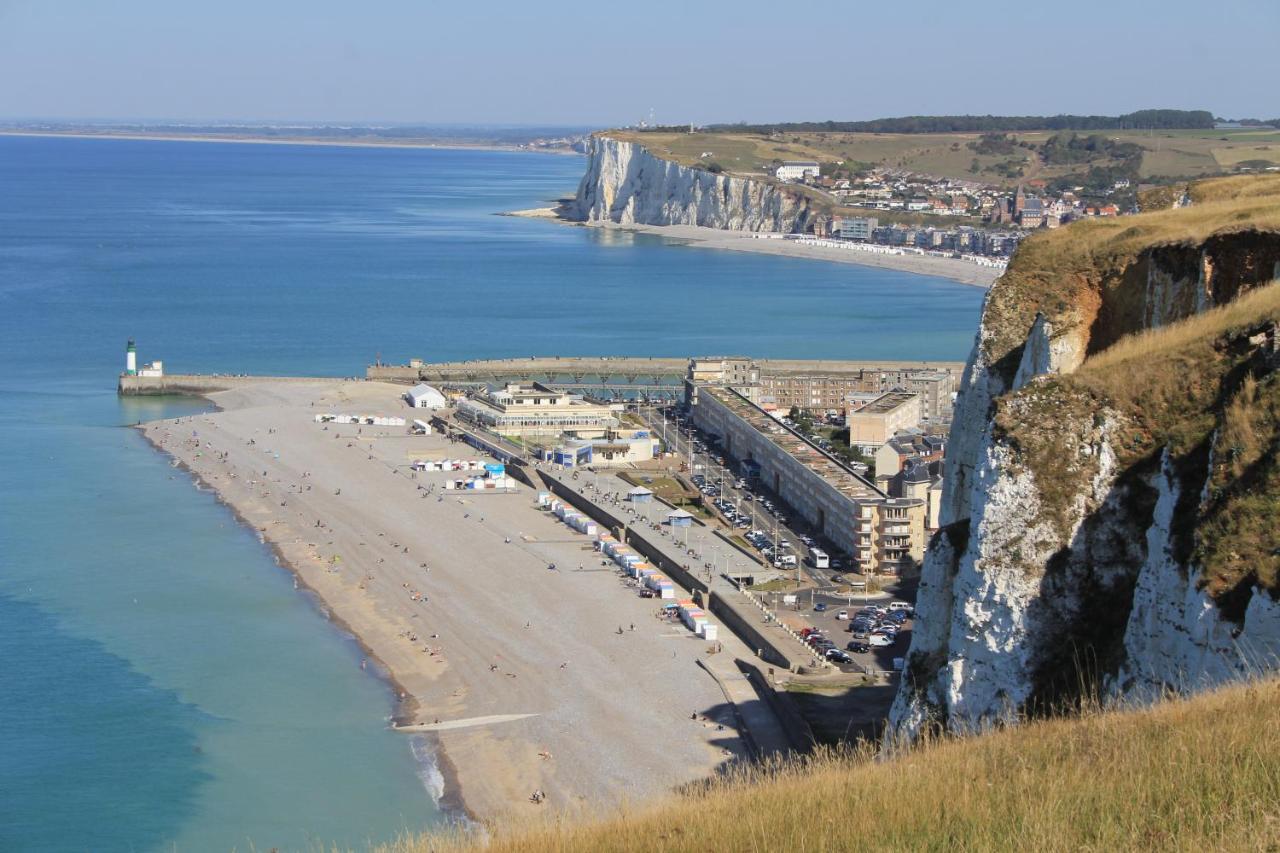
(680, 518)
(710, 631)
(640, 495)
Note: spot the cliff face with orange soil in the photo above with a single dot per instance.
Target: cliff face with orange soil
(1111, 469)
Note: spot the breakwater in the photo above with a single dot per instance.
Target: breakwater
(194, 384)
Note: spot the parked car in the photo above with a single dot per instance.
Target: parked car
(834, 654)
(842, 615)
(837, 578)
(859, 648)
(901, 606)
(879, 639)
(820, 607)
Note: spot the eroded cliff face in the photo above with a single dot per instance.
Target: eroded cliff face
(626, 184)
(1076, 523)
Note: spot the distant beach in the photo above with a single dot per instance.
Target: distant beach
(300, 140)
(955, 269)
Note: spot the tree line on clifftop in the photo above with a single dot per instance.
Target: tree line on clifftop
(1139, 120)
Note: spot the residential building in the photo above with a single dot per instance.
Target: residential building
(856, 227)
(936, 389)
(892, 457)
(882, 534)
(1032, 214)
(535, 409)
(872, 424)
(796, 170)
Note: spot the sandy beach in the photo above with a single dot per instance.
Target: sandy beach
(964, 272)
(517, 673)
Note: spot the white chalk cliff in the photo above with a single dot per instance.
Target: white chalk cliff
(1048, 556)
(626, 184)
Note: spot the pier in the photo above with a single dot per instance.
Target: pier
(196, 384)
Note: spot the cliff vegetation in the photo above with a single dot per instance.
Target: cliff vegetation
(1113, 468)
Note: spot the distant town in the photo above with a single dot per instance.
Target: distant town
(1013, 215)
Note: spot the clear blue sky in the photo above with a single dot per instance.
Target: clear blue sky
(609, 63)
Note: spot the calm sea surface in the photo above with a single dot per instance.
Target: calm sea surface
(164, 684)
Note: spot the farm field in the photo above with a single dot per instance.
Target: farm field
(1167, 153)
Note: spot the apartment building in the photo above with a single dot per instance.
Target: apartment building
(882, 534)
(872, 424)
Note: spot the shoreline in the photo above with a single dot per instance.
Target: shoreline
(405, 705)
(498, 740)
(701, 237)
(309, 141)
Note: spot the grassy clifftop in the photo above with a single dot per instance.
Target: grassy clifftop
(1093, 278)
(1191, 774)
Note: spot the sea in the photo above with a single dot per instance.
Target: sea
(165, 686)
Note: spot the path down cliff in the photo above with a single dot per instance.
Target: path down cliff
(626, 184)
(1112, 477)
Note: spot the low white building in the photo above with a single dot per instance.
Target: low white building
(795, 170)
(536, 409)
(425, 397)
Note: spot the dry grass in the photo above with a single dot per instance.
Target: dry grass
(1069, 273)
(1196, 389)
(1197, 774)
(1115, 365)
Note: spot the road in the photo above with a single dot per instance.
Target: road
(679, 436)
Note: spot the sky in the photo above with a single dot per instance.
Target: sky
(611, 63)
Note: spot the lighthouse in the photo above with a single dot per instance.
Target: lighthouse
(131, 359)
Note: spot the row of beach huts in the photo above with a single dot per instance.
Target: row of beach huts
(493, 478)
(362, 420)
(626, 558)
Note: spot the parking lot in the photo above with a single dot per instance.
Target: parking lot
(872, 641)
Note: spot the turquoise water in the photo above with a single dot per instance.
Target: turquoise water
(164, 683)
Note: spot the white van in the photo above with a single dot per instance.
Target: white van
(901, 605)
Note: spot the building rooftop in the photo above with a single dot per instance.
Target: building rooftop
(886, 402)
(810, 455)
